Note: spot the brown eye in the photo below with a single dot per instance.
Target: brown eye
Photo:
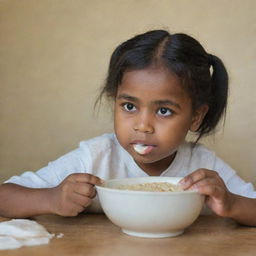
(164, 112)
(129, 107)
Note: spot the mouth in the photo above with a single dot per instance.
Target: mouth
(142, 149)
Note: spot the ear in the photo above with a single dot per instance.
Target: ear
(198, 117)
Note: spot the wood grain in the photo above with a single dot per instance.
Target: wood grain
(94, 234)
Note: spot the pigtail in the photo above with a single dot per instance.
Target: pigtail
(219, 93)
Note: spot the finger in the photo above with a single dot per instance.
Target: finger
(80, 200)
(203, 185)
(212, 190)
(76, 209)
(86, 177)
(196, 176)
(85, 189)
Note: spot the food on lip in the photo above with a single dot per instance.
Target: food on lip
(142, 149)
(153, 186)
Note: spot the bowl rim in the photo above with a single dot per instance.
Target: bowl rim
(124, 191)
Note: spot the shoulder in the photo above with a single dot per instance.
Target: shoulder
(198, 151)
(100, 148)
(196, 156)
(83, 155)
(102, 156)
(202, 157)
(100, 143)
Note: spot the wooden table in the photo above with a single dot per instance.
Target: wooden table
(94, 234)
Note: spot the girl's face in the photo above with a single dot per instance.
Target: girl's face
(152, 117)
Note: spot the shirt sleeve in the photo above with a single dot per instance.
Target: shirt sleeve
(233, 182)
(77, 161)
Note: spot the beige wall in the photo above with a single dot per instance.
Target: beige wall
(54, 56)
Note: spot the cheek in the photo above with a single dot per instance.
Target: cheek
(116, 117)
(120, 123)
(176, 129)
(121, 131)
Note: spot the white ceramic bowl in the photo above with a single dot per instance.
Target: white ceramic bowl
(149, 214)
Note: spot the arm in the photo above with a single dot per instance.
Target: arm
(69, 198)
(219, 199)
(243, 210)
(20, 202)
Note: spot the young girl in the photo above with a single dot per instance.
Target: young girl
(163, 86)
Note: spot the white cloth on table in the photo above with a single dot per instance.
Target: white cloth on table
(22, 232)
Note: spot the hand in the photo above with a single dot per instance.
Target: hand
(74, 194)
(209, 183)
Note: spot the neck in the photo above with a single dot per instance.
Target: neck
(156, 168)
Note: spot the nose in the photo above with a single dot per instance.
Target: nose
(144, 124)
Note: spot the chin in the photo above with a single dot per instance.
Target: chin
(145, 159)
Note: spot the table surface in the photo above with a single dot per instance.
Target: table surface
(94, 234)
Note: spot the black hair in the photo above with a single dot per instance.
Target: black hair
(202, 75)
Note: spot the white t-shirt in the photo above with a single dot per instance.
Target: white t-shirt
(104, 157)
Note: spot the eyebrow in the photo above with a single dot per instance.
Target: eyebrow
(127, 97)
(167, 102)
(156, 102)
